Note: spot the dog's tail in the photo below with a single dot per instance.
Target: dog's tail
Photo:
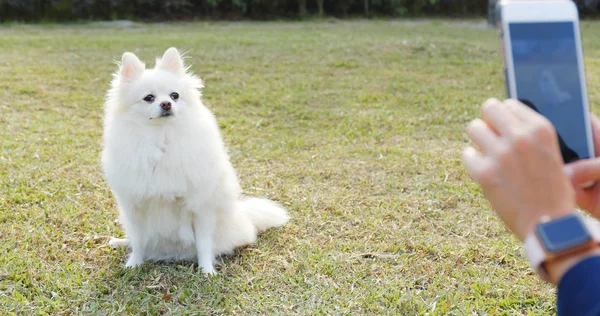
(252, 216)
(264, 213)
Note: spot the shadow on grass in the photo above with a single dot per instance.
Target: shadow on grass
(163, 287)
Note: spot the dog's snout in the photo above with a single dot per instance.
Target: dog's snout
(165, 105)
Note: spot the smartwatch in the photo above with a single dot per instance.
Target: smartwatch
(559, 238)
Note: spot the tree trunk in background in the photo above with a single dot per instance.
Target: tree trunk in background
(302, 7)
(346, 7)
(40, 10)
(320, 5)
(492, 13)
(366, 2)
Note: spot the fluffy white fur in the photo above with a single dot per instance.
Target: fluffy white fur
(178, 195)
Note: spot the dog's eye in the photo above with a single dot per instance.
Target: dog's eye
(149, 98)
(174, 95)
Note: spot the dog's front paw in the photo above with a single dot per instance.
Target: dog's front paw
(134, 261)
(208, 270)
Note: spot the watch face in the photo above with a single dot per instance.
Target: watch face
(563, 233)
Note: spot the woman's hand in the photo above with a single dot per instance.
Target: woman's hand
(585, 175)
(519, 166)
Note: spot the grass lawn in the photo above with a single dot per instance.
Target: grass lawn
(356, 127)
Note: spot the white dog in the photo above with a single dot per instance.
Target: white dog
(178, 195)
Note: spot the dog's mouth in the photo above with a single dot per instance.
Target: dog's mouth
(164, 113)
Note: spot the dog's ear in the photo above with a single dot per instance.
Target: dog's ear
(171, 61)
(131, 67)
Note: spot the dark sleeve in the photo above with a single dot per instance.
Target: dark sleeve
(579, 289)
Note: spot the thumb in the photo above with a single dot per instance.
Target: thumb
(583, 171)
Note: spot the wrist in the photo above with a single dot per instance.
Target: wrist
(556, 245)
(529, 227)
(557, 268)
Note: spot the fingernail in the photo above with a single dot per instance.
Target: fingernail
(569, 171)
(490, 101)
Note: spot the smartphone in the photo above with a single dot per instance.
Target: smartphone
(544, 69)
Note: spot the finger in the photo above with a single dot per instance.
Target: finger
(479, 166)
(583, 172)
(584, 200)
(595, 122)
(524, 111)
(480, 133)
(500, 118)
(490, 100)
(533, 123)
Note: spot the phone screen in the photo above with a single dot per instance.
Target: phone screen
(548, 80)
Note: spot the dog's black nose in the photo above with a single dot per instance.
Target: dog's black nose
(165, 105)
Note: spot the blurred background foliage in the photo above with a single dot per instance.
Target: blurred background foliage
(162, 10)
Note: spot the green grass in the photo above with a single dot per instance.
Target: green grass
(356, 127)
